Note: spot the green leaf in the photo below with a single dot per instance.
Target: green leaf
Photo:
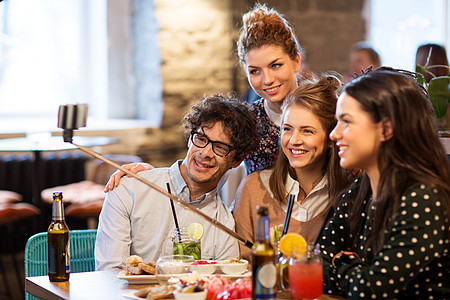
(439, 92)
(278, 233)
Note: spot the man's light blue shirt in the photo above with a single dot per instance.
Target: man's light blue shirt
(137, 219)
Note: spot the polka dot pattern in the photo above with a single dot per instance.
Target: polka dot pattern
(267, 151)
(414, 261)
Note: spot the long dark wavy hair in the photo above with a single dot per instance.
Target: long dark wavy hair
(413, 155)
(319, 95)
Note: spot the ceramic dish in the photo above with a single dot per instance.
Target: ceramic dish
(190, 296)
(137, 279)
(234, 268)
(207, 267)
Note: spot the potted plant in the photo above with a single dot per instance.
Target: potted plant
(439, 93)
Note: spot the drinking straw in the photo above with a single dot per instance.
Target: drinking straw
(287, 217)
(174, 214)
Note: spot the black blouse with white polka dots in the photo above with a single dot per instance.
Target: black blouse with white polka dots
(413, 262)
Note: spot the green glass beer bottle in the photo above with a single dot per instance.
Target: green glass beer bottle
(58, 242)
(264, 272)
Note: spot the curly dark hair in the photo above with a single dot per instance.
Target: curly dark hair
(236, 117)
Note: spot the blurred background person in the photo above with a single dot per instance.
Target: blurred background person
(362, 55)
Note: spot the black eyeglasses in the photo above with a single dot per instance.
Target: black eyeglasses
(201, 141)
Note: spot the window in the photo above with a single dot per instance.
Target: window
(398, 27)
(55, 52)
(45, 57)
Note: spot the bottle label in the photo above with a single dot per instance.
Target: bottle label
(68, 257)
(266, 279)
(51, 259)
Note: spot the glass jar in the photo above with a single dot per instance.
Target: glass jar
(181, 243)
(305, 273)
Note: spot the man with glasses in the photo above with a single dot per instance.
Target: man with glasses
(136, 220)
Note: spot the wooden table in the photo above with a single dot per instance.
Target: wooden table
(92, 285)
(88, 285)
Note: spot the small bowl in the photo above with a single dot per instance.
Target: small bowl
(234, 268)
(190, 296)
(207, 268)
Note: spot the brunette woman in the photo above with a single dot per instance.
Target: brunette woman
(389, 237)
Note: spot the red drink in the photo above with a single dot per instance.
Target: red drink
(305, 279)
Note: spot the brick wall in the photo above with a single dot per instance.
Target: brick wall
(197, 44)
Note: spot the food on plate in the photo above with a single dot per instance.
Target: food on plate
(204, 262)
(135, 265)
(147, 268)
(222, 288)
(216, 287)
(184, 286)
(156, 292)
(187, 284)
(233, 261)
(234, 266)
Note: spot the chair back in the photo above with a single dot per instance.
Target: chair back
(102, 170)
(82, 244)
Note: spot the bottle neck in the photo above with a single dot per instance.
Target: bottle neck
(262, 229)
(58, 210)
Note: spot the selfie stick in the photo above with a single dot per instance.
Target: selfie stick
(73, 116)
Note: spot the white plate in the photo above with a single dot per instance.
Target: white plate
(137, 279)
(149, 279)
(132, 295)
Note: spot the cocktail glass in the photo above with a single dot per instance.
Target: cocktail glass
(305, 273)
(180, 243)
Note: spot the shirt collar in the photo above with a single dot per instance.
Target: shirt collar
(292, 185)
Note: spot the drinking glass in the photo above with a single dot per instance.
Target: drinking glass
(181, 243)
(305, 273)
(174, 266)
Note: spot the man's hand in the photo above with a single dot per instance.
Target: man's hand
(114, 180)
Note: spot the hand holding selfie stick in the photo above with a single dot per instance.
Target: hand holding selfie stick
(73, 116)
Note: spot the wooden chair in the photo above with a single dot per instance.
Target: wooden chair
(12, 212)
